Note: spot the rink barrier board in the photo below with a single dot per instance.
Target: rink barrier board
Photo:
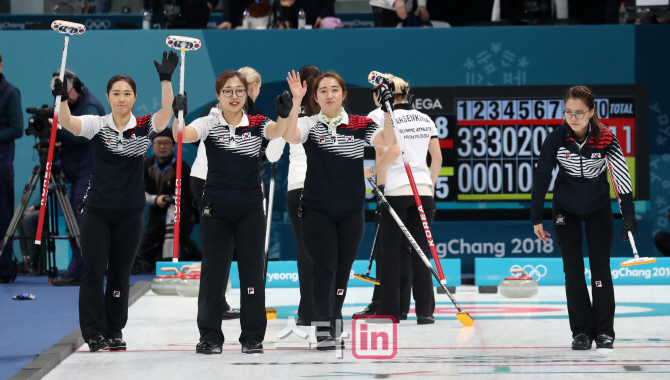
(549, 271)
(284, 274)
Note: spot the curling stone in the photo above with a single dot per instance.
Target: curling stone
(518, 286)
(189, 286)
(164, 285)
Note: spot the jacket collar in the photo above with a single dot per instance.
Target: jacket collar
(132, 122)
(403, 106)
(218, 114)
(345, 118)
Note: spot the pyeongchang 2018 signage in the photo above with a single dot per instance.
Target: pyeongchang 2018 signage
(550, 271)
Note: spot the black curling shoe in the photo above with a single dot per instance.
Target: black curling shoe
(371, 309)
(581, 342)
(325, 343)
(425, 320)
(252, 346)
(97, 343)
(604, 341)
(116, 344)
(207, 346)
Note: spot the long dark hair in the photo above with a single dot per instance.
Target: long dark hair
(315, 86)
(308, 74)
(585, 94)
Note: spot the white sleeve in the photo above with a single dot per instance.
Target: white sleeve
(201, 126)
(376, 117)
(304, 126)
(275, 149)
(421, 3)
(433, 129)
(90, 125)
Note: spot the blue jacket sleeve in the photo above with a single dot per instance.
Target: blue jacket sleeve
(542, 177)
(14, 117)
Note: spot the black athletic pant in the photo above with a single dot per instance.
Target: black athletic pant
(109, 240)
(331, 240)
(197, 187)
(245, 223)
(393, 258)
(405, 286)
(599, 226)
(305, 308)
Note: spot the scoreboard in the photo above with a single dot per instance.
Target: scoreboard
(491, 137)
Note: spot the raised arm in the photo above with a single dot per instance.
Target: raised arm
(65, 118)
(298, 90)
(189, 134)
(284, 103)
(387, 137)
(165, 71)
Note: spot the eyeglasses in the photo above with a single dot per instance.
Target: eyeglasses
(164, 143)
(578, 115)
(240, 93)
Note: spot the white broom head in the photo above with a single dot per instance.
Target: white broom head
(638, 261)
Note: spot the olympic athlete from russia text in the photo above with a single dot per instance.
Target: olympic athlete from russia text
(232, 203)
(581, 147)
(112, 224)
(333, 196)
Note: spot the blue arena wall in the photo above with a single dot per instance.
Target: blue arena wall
(557, 55)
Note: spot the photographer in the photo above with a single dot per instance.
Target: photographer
(159, 183)
(76, 162)
(11, 125)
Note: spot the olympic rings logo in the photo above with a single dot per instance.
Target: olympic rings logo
(538, 271)
(98, 24)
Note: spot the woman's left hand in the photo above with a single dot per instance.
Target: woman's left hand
(298, 88)
(168, 65)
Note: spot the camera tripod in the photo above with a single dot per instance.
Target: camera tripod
(57, 196)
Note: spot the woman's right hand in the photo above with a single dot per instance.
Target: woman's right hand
(60, 89)
(167, 66)
(298, 88)
(540, 232)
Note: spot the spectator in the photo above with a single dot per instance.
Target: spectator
(76, 162)
(662, 241)
(285, 12)
(390, 13)
(11, 128)
(160, 174)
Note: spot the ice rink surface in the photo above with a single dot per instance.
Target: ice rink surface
(512, 339)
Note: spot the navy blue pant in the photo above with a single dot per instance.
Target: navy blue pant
(305, 308)
(331, 240)
(109, 240)
(6, 213)
(586, 317)
(77, 194)
(245, 224)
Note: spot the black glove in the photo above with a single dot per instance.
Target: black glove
(284, 103)
(385, 93)
(179, 103)
(629, 224)
(60, 89)
(166, 68)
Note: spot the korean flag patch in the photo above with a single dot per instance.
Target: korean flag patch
(246, 136)
(595, 155)
(349, 139)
